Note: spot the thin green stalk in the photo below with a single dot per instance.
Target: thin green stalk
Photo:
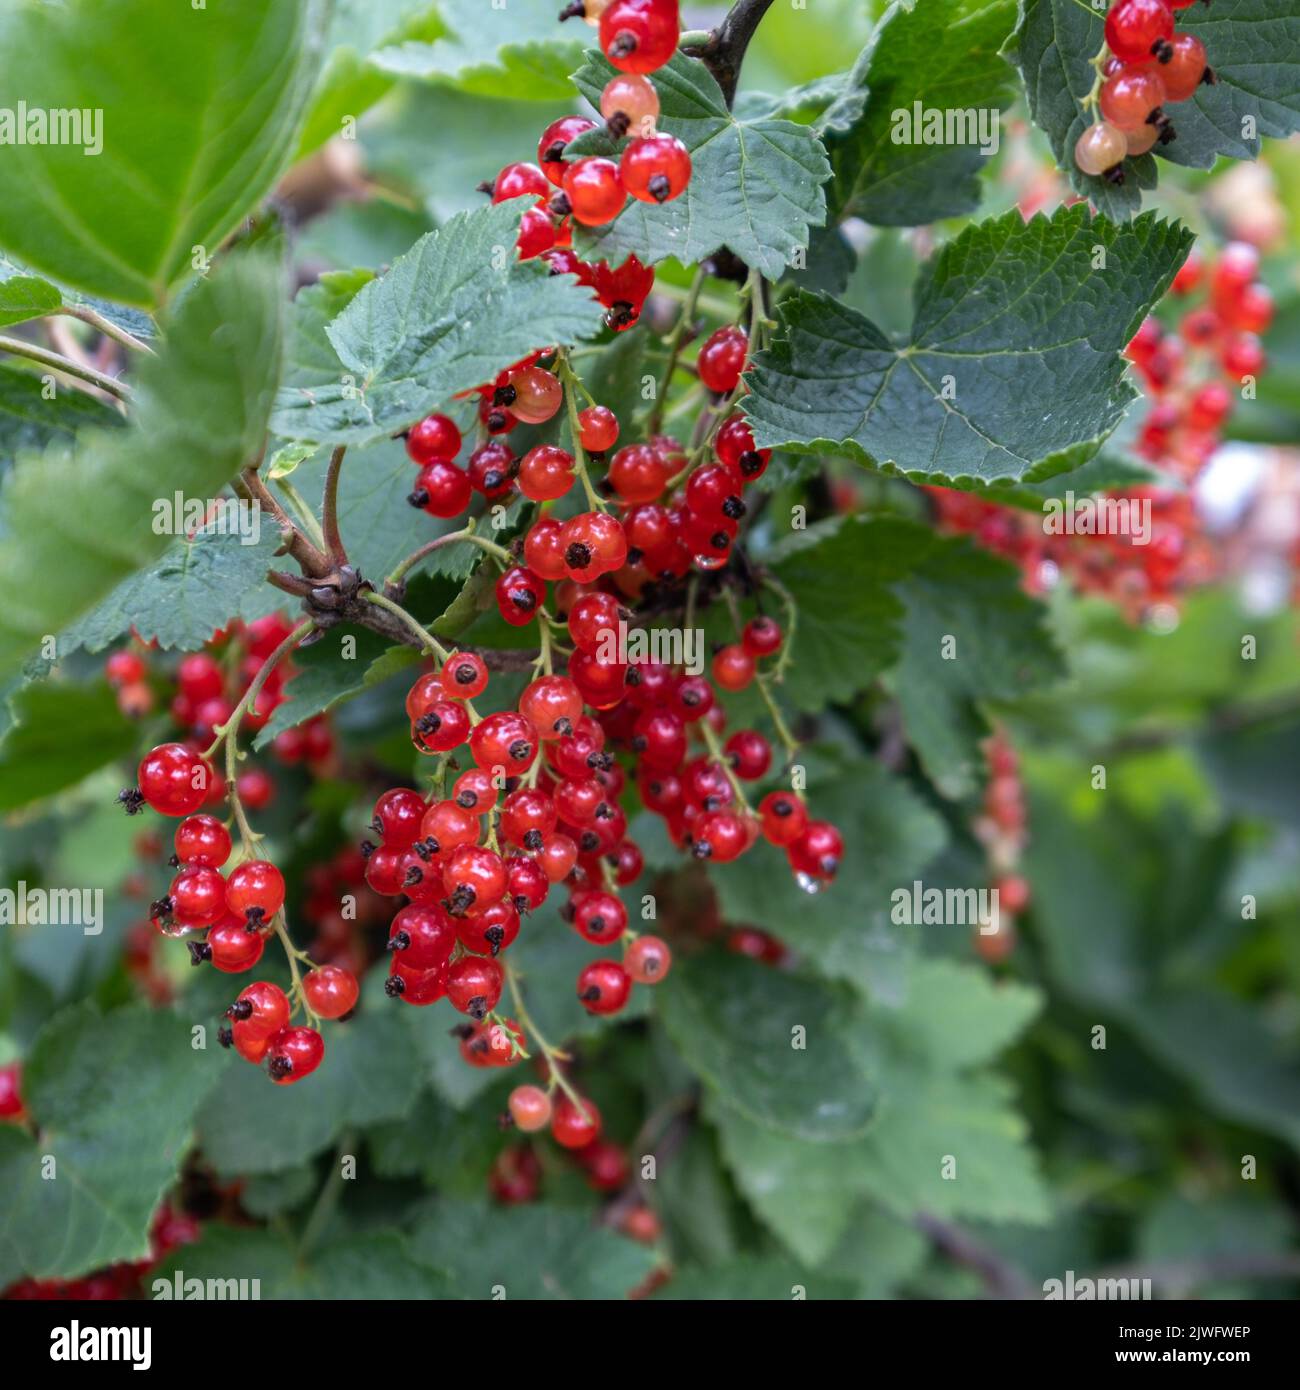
(48, 358)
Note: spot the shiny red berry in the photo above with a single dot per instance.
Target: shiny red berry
(604, 987)
(436, 437)
(655, 168)
(722, 359)
(330, 991)
(203, 841)
(174, 780)
(293, 1054)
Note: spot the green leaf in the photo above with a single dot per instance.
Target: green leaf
(840, 574)
(250, 1125)
(890, 836)
(29, 419)
(24, 297)
(495, 50)
(529, 1252)
(377, 1266)
(349, 84)
(197, 587)
(86, 1072)
(1251, 45)
(733, 1020)
(61, 734)
(195, 116)
(450, 314)
(200, 414)
(958, 1016)
(942, 54)
(343, 663)
(971, 634)
(756, 185)
(1012, 369)
(927, 1117)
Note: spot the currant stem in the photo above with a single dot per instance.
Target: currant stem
(333, 540)
(305, 514)
(105, 326)
(328, 1199)
(228, 732)
(47, 358)
(1097, 63)
(553, 1055)
(717, 753)
(571, 384)
(791, 611)
(431, 643)
(466, 533)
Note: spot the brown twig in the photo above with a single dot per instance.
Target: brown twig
(725, 50)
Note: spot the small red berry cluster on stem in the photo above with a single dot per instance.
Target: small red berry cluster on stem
(1000, 828)
(1143, 67)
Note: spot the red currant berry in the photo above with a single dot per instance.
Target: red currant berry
(330, 991)
(1130, 98)
(720, 836)
(124, 668)
(526, 882)
(384, 871)
(734, 446)
(573, 1127)
(232, 948)
(441, 489)
(546, 473)
(784, 818)
(505, 740)
(519, 595)
(762, 636)
(1210, 406)
(174, 780)
(603, 683)
(474, 791)
(1185, 71)
(435, 438)
(647, 960)
(750, 754)
(202, 840)
(722, 359)
(418, 987)
(494, 929)
(818, 851)
(199, 677)
(198, 897)
(255, 789)
(638, 473)
(518, 180)
(464, 676)
(733, 668)
(474, 986)
(594, 544)
(11, 1100)
(543, 549)
(474, 878)
(443, 726)
(557, 857)
(530, 1108)
(1242, 356)
(255, 891)
(639, 35)
(1139, 31)
(422, 937)
(599, 917)
(491, 470)
(261, 1010)
(594, 191)
(538, 395)
(553, 704)
(629, 102)
(655, 168)
(294, 1054)
(597, 429)
(594, 620)
(449, 825)
(550, 148)
(1100, 148)
(604, 987)
(398, 814)
(537, 234)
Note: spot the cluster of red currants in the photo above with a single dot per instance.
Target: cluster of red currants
(1195, 372)
(1111, 565)
(207, 687)
(235, 913)
(1147, 67)
(638, 37)
(1000, 828)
